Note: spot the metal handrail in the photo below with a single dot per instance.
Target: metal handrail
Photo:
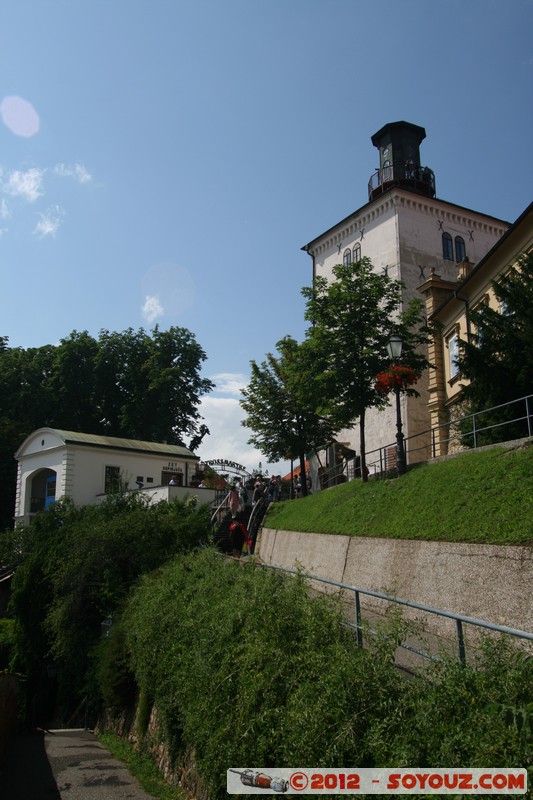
(459, 618)
(380, 462)
(219, 508)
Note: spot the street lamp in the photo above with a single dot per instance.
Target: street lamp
(394, 350)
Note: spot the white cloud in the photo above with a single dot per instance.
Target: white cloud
(152, 309)
(229, 438)
(77, 171)
(172, 282)
(5, 211)
(24, 184)
(49, 222)
(230, 383)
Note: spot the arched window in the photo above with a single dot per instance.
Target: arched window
(347, 257)
(460, 249)
(356, 253)
(447, 247)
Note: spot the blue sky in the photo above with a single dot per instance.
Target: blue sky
(163, 161)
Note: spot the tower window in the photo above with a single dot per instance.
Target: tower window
(356, 253)
(447, 247)
(347, 257)
(460, 249)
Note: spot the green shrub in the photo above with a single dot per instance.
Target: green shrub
(116, 681)
(76, 567)
(7, 638)
(247, 669)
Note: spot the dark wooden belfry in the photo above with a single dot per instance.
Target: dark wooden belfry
(399, 161)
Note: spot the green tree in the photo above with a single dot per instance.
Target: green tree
(131, 384)
(352, 319)
(497, 359)
(73, 382)
(281, 404)
(75, 568)
(26, 402)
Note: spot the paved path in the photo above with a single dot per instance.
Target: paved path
(65, 765)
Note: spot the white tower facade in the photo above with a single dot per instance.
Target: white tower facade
(406, 232)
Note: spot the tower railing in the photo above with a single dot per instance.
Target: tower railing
(402, 174)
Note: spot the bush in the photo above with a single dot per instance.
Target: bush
(7, 637)
(246, 669)
(77, 568)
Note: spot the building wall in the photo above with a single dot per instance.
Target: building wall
(167, 494)
(447, 303)
(81, 469)
(401, 233)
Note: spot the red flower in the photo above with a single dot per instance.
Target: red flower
(395, 377)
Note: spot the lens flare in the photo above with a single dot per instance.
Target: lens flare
(19, 116)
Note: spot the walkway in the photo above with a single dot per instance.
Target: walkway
(65, 765)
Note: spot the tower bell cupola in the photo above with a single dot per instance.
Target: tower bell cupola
(399, 161)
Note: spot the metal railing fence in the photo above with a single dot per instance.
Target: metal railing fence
(382, 460)
(358, 626)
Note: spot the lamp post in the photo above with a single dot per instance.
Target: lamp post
(394, 350)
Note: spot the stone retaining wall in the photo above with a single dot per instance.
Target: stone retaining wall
(489, 582)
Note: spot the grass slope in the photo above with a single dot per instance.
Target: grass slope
(483, 496)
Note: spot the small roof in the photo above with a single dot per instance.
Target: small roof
(296, 472)
(114, 443)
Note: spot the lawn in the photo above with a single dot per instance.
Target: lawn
(484, 496)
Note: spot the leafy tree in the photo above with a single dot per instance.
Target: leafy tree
(26, 402)
(498, 358)
(72, 381)
(131, 384)
(352, 319)
(76, 566)
(281, 403)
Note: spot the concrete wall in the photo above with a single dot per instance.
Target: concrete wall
(158, 494)
(489, 582)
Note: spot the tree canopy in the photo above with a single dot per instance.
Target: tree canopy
(497, 358)
(352, 319)
(300, 399)
(281, 404)
(131, 384)
(75, 567)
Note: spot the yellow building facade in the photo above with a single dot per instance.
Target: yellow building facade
(448, 306)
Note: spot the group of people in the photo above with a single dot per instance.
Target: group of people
(239, 500)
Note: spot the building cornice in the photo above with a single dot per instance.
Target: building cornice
(440, 210)
(493, 253)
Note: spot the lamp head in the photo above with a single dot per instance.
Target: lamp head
(394, 347)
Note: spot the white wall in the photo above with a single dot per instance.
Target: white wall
(81, 469)
(402, 232)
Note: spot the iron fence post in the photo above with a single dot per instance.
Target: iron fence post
(460, 641)
(528, 415)
(358, 620)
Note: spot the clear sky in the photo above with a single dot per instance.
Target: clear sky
(163, 161)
